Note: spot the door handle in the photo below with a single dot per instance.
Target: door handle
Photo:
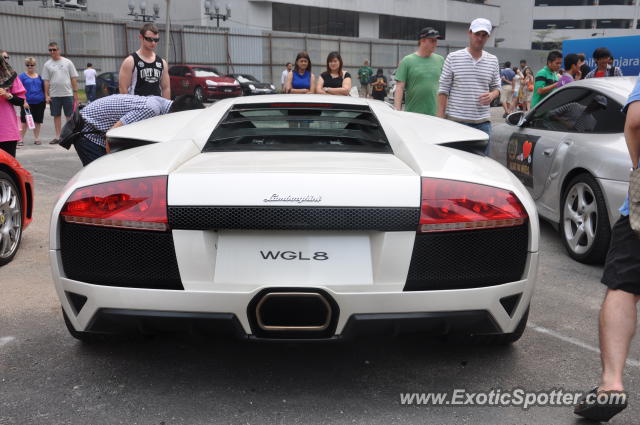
(547, 152)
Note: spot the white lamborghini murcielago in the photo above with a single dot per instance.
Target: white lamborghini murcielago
(295, 217)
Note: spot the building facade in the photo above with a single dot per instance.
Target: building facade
(372, 19)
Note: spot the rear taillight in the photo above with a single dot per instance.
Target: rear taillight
(453, 205)
(129, 204)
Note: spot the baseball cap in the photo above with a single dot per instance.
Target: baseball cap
(428, 32)
(480, 24)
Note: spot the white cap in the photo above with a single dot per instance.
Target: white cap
(480, 24)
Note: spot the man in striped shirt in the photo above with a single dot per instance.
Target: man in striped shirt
(470, 81)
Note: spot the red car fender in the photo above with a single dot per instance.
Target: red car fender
(24, 181)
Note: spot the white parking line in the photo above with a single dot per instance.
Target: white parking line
(574, 341)
(5, 340)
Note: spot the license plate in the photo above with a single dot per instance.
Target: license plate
(228, 90)
(286, 258)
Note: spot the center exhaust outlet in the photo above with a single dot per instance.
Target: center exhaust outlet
(293, 314)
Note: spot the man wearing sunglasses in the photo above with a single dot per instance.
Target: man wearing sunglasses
(60, 87)
(143, 72)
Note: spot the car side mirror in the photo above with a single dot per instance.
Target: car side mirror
(188, 74)
(516, 118)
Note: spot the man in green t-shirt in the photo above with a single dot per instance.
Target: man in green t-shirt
(547, 78)
(419, 74)
(364, 74)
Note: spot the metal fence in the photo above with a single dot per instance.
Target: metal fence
(97, 39)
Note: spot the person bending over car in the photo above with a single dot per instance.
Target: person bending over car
(121, 109)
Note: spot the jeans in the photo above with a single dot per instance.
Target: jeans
(88, 151)
(90, 92)
(486, 127)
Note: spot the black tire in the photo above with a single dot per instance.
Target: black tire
(589, 216)
(10, 212)
(85, 337)
(199, 94)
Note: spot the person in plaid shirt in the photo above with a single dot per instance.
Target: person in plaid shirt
(118, 110)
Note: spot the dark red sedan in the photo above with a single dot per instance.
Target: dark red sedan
(205, 82)
(16, 205)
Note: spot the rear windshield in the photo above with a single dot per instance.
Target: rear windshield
(299, 127)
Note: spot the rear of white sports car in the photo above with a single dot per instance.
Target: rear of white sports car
(289, 220)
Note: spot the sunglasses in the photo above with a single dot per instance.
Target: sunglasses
(151, 39)
(53, 50)
(31, 65)
(6, 58)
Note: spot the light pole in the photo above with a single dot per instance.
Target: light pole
(167, 26)
(143, 16)
(215, 14)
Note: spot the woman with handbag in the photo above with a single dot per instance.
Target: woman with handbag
(35, 103)
(12, 94)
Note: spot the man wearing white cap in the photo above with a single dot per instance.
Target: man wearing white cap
(470, 81)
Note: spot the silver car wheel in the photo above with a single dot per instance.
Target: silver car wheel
(580, 218)
(10, 219)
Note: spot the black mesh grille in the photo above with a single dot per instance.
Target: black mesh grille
(294, 218)
(117, 257)
(467, 259)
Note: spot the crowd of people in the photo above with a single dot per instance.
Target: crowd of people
(460, 88)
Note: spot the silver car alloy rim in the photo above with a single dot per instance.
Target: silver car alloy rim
(580, 218)
(10, 219)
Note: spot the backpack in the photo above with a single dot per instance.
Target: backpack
(72, 130)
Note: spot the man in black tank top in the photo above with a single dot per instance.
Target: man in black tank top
(143, 72)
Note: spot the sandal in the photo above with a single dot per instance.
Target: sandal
(601, 405)
(20, 143)
(37, 142)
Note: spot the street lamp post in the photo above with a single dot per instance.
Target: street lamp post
(215, 14)
(143, 16)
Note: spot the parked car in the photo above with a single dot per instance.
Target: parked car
(16, 205)
(251, 86)
(205, 82)
(570, 153)
(295, 217)
(107, 84)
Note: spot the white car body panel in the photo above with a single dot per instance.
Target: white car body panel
(371, 271)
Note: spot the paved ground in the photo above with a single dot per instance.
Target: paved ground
(46, 377)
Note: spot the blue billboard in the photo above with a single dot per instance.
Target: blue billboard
(625, 51)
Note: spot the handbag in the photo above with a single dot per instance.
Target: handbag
(72, 130)
(634, 201)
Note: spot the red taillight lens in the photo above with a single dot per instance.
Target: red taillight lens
(453, 205)
(130, 204)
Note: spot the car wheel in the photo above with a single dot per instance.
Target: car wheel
(584, 221)
(10, 219)
(199, 94)
(86, 337)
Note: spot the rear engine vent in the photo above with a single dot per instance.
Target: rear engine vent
(294, 218)
(469, 259)
(119, 257)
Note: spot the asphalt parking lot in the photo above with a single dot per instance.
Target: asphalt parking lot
(47, 377)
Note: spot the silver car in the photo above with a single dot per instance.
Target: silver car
(570, 153)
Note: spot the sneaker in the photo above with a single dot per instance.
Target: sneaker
(54, 142)
(20, 143)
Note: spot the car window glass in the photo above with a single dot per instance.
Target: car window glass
(549, 115)
(246, 78)
(609, 118)
(205, 72)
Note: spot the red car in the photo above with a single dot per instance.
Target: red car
(205, 82)
(16, 205)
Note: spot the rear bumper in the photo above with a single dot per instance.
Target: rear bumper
(439, 310)
(121, 321)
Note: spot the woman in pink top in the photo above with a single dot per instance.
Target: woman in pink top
(12, 94)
